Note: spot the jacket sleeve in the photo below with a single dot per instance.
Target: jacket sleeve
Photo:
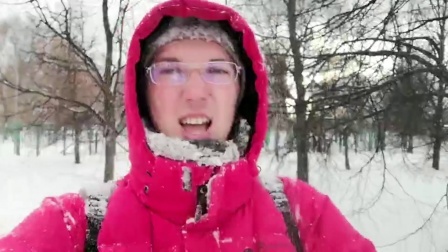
(322, 226)
(59, 224)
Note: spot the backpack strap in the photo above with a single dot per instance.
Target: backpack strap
(276, 190)
(96, 200)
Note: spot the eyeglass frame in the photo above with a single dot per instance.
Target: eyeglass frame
(239, 70)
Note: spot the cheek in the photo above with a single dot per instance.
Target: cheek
(161, 104)
(228, 99)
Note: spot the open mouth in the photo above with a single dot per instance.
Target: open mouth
(195, 127)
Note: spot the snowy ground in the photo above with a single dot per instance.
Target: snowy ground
(401, 208)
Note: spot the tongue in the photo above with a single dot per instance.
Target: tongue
(195, 132)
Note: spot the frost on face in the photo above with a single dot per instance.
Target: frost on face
(213, 154)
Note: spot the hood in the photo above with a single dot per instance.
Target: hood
(254, 103)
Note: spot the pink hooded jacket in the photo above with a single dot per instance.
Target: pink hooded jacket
(151, 211)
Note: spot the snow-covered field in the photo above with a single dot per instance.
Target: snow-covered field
(401, 208)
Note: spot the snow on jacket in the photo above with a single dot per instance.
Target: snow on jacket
(152, 210)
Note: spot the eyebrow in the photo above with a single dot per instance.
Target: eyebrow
(218, 59)
(169, 59)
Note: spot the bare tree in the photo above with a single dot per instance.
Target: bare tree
(408, 99)
(18, 109)
(279, 117)
(67, 25)
(291, 42)
(292, 28)
(414, 32)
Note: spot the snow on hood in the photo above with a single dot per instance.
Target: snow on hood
(253, 107)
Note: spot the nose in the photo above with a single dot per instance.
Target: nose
(196, 91)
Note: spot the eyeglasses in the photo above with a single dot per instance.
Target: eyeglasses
(177, 73)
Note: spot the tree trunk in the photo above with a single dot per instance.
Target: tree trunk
(77, 143)
(381, 138)
(110, 141)
(438, 134)
(404, 141)
(17, 145)
(38, 133)
(301, 142)
(436, 153)
(277, 141)
(410, 144)
(96, 141)
(110, 150)
(320, 144)
(16, 138)
(341, 141)
(370, 140)
(301, 131)
(90, 137)
(438, 127)
(346, 149)
(64, 140)
(110, 135)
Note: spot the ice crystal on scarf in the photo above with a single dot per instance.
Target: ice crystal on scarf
(204, 152)
(178, 149)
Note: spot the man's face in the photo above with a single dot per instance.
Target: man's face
(193, 90)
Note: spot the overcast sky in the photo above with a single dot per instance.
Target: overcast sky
(92, 8)
(12, 7)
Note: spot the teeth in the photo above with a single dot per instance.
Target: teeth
(195, 120)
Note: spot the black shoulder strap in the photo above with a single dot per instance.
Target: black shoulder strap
(275, 189)
(95, 217)
(96, 200)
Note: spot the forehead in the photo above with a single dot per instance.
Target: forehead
(192, 50)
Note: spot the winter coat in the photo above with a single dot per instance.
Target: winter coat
(152, 209)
